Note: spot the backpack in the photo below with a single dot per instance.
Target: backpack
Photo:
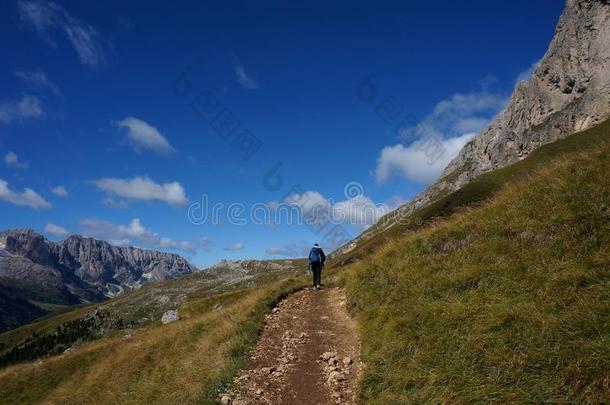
(314, 256)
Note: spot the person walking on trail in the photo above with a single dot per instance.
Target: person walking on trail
(316, 263)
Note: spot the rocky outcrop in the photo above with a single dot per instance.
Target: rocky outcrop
(568, 92)
(170, 316)
(35, 281)
(116, 268)
(30, 244)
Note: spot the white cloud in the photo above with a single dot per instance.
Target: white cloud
(184, 245)
(26, 107)
(47, 17)
(132, 233)
(187, 246)
(204, 244)
(312, 204)
(527, 73)
(134, 229)
(413, 162)
(235, 247)
(27, 198)
(12, 160)
(450, 125)
(144, 189)
(299, 249)
(243, 78)
(360, 211)
(60, 191)
(428, 146)
(459, 114)
(37, 80)
(112, 203)
(55, 230)
(142, 135)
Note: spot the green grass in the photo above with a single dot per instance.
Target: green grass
(499, 292)
(506, 301)
(42, 325)
(15, 311)
(480, 189)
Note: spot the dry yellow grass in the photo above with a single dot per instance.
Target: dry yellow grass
(184, 362)
(507, 302)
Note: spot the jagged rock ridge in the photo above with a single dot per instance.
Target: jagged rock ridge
(77, 269)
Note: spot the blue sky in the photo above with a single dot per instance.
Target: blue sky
(116, 119)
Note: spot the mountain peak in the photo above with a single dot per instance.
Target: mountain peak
(20, 231)
(80, 268)
(568, 92)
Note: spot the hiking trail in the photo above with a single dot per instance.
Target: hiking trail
(308, 353)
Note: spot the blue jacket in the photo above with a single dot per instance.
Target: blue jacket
(320, 254)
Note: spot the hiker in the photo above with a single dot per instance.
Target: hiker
(316, 264)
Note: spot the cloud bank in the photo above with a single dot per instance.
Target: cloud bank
(143, 189)
(359, 211)
(55, 230)
(132, 233)
(26, 198)
(428, 146)
(412, 162)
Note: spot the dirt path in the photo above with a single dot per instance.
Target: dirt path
(307, 354)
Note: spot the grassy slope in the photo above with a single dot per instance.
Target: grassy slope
(188, 361)
(15, 311)
(507, 301)
(480, 189)
(142, 303)
(44, 324)
(504, 302)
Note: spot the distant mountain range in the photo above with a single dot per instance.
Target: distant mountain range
(36, 274)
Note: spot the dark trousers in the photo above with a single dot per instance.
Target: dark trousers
(316, 269)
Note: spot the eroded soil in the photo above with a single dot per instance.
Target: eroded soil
(307, 354)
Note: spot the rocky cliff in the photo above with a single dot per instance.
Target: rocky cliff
(568, 92)
(77, 269)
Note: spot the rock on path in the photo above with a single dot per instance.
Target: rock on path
(307, 354)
